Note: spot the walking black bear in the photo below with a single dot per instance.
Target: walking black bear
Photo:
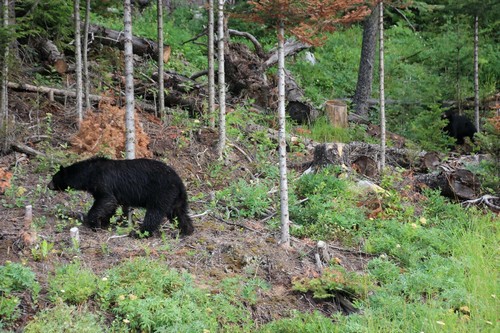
(141, 182)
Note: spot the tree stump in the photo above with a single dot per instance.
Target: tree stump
(336, 112)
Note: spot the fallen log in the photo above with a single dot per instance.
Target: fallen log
(140, 46)
(291, 47)
(451, 179)
(457, 184)
(70, 93)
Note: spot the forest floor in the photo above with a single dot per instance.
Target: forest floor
(218, 249)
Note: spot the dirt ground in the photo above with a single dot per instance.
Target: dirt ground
(219, 248)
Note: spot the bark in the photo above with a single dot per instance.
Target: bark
(161, 76)
(366, 63)
(4, 96)
(211, 65)
(455, 184)
(78, 61)
(140, 46)
(298, 108)
(129, 82)
(258, 47)
(476, 72)
(222, 83)
(382, 88)
(285, 222)
(290, 47)
(85, 51)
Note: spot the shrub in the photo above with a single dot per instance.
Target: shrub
(73, 283)
(14, 280)
(64, 318)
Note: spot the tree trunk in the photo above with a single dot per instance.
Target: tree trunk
(78, 61)
(285, 223)
(161, 74)
(85, 50)
(129, 82)
(211, 67)
(366, 63)
(222, 83)
(382, 89)
(4, 96)
(476, 71)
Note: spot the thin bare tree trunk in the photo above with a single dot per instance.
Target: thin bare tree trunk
(4, 106)
(476, 71)
(382, 88)
(85, 50)
(222, 83)
(211, 65)
(78, 56)
(129, 82)
(161, 74)
(285, 223)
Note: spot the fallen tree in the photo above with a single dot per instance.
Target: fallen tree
(114, 38)
(450, 178)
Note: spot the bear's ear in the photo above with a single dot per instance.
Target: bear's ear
(61, 168)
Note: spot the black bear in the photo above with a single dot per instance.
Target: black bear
(459, 127)
(141, 182)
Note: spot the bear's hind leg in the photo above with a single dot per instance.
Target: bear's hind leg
(184, 221)
(152, 221)
(101, 212)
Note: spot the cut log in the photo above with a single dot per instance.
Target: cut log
(456, 184)
(141, 46)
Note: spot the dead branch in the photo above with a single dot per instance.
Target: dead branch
(492, 202)
(22, 148)
(291, 47)
(258, 47)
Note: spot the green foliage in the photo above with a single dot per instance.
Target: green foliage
(323, 131)
(489, 141)
(65, 318)
(73, 283)
(334, 75)
(148, 296)
(15, 279)
(246, 199)
(301, 323)
(333, 280)
(329, 210)
(50, 19)
(426, 129)
(41, 251)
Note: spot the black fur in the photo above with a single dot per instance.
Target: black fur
(459, 127)
(141, 182)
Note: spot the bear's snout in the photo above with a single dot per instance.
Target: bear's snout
(51, 186)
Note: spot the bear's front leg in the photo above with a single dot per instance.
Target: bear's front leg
(102, 210)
